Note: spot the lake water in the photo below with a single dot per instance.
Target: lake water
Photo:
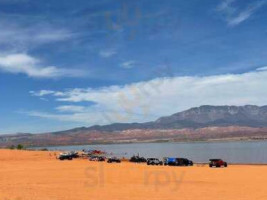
(233, 152)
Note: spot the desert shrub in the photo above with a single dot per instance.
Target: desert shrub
(20, 146)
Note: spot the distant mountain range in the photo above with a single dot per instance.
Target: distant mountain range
(195, 124)
(203, 116)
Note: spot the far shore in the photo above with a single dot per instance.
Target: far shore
(226, 140)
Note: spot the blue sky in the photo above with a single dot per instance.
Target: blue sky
(65, 64)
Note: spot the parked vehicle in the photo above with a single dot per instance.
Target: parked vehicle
(154, 161)
(178, 162)
(65, 156)
(74, 154)
(169, 161)
(138, 159)
(97, 158)
(185, 162)
(68, 155)
(114, 160)
(217, 163)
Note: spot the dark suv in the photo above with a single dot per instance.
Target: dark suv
(65, 156)
(114, 159)
(217, 163)
(154, 161)
(74, 154)
(184, 162)
(178, 162)
(138, 159)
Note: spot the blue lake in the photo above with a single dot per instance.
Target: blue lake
(233, 152)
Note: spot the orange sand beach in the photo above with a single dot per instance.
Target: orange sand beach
(34, 175)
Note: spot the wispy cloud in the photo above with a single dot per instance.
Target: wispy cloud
(145, 101)
(32, 67)
(76, 117)
(41, 93)
(18, 36)
(71, 108)
(128, 64)
(262, 68)
(234, 15)
(22, 34)
(107, 53)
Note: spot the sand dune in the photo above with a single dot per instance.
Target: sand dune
(35, 175)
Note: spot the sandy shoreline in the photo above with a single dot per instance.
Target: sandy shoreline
(34, 175)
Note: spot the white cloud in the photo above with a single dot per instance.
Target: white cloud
(235, 16)
(107, 53)
(77, 117)
(71, 108)
(19, 35)
(128, 64)
(226, 6)
(145, 101)
(45, 93)
(41, 93)
(26, 64)
(262, 68)
(87, 118)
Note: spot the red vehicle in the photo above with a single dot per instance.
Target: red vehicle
(217, 163)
